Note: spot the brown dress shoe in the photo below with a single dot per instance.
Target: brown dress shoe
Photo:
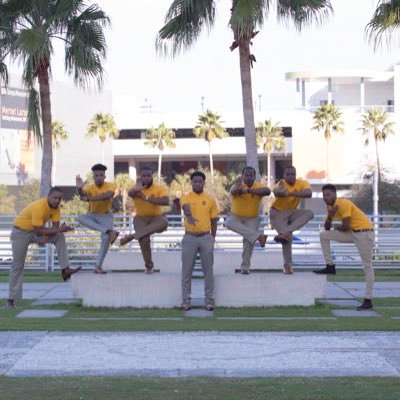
(287, 270)
(210, 307)
(67, 272)
(99, 270)
(262, 239)
(126, 239)
(185, 306)
(113, 236)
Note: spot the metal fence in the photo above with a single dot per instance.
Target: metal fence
(83, 244)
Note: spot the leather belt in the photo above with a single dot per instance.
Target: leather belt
(362, 230)
(197, 234)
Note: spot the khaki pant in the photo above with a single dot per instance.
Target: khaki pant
(364, 242)
(20, 241)
(144, 227)
(249, 229)
(101, 223)
(205, 246)
(286, 222)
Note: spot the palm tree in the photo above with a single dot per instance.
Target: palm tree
(160, 138)
(327, 119)
(186, 19)
(123, 182)
(102, 125)
(270, 138)
(384, 22)
(58, 133)
(375, 122)
(208, 128)
(28, 29)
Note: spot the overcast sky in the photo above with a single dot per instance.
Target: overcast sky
(209, 69)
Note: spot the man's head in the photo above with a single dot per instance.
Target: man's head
(329, 194)
(99, 174)
(198, 180)
(248, 175)
(290, 175)
(54, 197)
(146, 176)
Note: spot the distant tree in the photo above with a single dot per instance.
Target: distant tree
(74, 207)
(270, 138)
(28, 30)
(7, 202)
(389, 194)
(327, 119)
(123, 182)
(209, 128)
(102, 125)
(58, 133)
(376, 123)
(28, 193)
(160, 138)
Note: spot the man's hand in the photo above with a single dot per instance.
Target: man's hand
(79, 182)
(139, 185)
(332, 211)
(65, 228)
(281, 190)
(191, 220)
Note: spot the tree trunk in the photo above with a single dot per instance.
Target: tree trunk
(269, 169)
(378, 163)
(159, 166)
(102, 151)
(53, 175)
(211, 161)
(327, 160)
(248, 108)
(45, 105)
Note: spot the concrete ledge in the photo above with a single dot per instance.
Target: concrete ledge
(128, 289)
(268, 289)
(170, 261)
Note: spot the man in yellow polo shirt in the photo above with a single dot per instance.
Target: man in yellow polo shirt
(29, 227)
(244, 218)
(201, 216)
(149, 199)
(99, 218)
(355, 228)
(284, 215)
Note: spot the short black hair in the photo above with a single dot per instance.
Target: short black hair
(146, 168)
(290, 167)
(197, 173)
(329, 186)
(55, 189)
(99, 167)
(250, 168)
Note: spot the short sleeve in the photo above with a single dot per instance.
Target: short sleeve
(305, 185)
(162, 192)
(38, 217)
(184, 200)
(214, 210)
(111, 187)
(345, 209)
(86, 189)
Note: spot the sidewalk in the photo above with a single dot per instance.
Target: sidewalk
(228, 354)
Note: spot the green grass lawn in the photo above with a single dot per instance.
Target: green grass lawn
(121, 388)
(80, 318)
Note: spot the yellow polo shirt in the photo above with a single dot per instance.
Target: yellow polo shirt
(286, 203)
(36, 214)
(103, 206)
(146, 209)
(346, 208)
(203, 208)
(247, 205)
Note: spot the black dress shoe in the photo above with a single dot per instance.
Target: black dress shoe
(330, 269)
(366, 305)
(10, 303)
(67, 272)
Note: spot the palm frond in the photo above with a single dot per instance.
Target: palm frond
(304, 12)
(384, 22)
(184, 22)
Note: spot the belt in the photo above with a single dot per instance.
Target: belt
(197, 234)
(362, 230)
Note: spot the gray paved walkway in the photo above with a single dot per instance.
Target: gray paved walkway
(200, 353)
